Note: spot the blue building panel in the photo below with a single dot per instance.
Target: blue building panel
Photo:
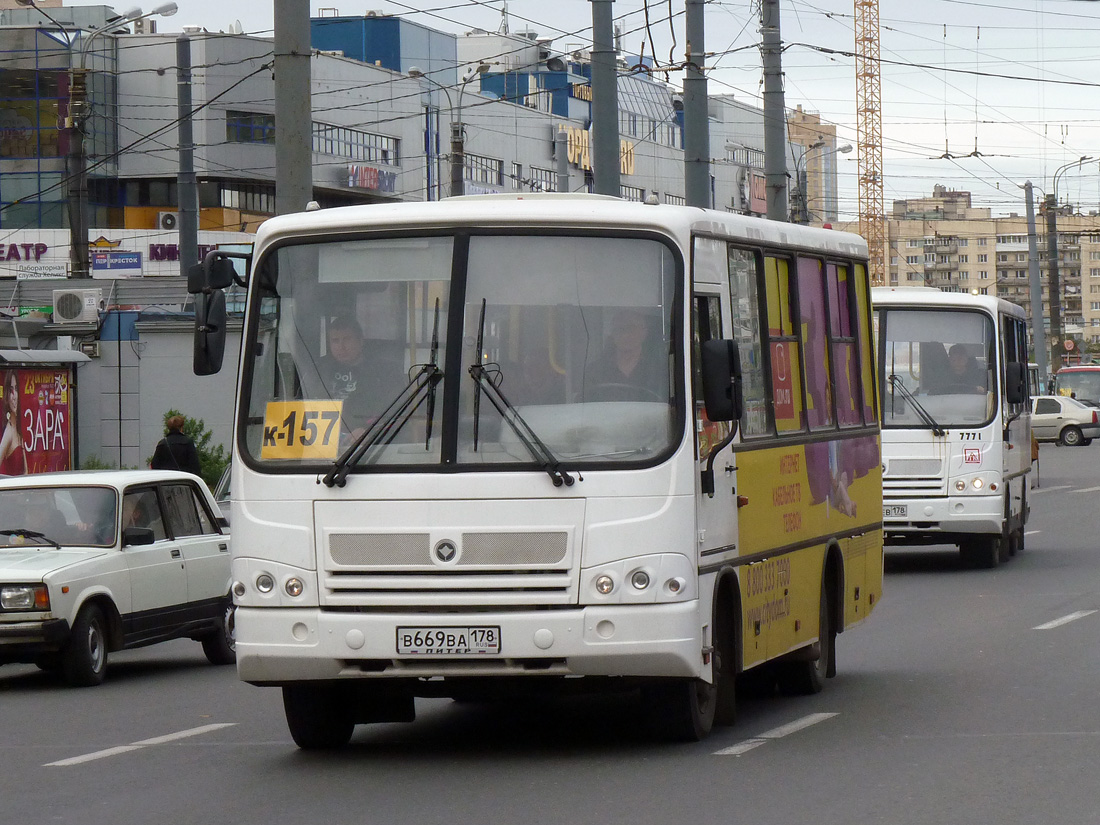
(390, 42)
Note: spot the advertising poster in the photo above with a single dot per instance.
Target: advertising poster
(36, 421)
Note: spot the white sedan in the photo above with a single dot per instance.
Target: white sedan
(1065, 420)
(94, 562)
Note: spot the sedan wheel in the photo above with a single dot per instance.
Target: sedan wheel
(84, 660)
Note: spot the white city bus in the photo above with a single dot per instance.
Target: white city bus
(632, 443)
(956, 421)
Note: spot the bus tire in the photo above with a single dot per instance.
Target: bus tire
(807, 677)
(725, 665)
(1071, 437)
(680, 710)
(984, 551)
(320, 717)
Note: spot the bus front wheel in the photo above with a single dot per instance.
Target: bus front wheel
(319, 716)
(680, 710)
(983, 551)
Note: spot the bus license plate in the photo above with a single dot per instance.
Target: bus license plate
(447, 641)
(895, 511)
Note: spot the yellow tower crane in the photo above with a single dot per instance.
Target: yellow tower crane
(872, 217)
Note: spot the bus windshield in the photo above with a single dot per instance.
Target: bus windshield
(1082, 384)
(938, 368)
(463, 350)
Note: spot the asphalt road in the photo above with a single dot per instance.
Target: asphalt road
(969, 696)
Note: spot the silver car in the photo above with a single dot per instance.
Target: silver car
(1064, 419)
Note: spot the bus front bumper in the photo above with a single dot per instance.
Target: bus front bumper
(280, 645)
(938, 520)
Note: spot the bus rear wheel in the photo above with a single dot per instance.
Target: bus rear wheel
(807, 677)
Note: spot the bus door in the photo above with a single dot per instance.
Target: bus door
(717, 514)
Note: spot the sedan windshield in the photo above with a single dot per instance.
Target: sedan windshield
(59, 515)
(521, 350)
(938, 368)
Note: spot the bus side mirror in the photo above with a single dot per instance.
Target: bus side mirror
(721, 373)
(214, 272)
(1015, 382)
(209, 332)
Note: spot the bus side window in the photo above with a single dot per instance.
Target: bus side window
(786, 368)
(745, 319)
(866, 343)
(815, 352)
(845, 356)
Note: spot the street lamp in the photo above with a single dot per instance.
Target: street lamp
(458, 129)
(803, 214)
(1054, 285)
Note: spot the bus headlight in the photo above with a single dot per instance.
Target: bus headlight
(640, 579)
(265, 583)
(960, 485)
(294, 586)
(604, 585)
(978, 483)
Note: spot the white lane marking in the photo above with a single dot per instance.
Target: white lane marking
(1087, 490)
(1050, 489)
(1072, 617)
(89, 757)
(774, 733)
(184, 734)
(1031, 532)
(156, 740)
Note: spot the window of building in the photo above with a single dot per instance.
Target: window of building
(481, 169)
(249, 127)
(355, 144)
(543, 180)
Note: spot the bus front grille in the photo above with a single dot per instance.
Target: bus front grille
(473, 568)
(913, 487)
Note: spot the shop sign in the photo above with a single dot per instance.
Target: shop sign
(367, 177)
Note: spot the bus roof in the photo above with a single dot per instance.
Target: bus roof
(932, 297)
(565, 210)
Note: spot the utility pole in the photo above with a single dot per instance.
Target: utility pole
(775, 112)
(186, 182)
(697, 189)
(605, 102)
(1054, 286)
(293, 107)
(1038, 333)
(77, 123)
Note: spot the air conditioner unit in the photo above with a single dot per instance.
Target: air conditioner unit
(168, 220)
(75, 306)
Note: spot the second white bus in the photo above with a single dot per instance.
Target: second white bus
(956, 427)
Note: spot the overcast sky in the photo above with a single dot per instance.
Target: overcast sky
(975, 95)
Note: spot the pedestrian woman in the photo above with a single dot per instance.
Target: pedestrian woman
(176, 451)
(13, 458)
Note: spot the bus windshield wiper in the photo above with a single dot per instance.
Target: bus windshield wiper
(535, 445)
(897, 384)
(384, 428)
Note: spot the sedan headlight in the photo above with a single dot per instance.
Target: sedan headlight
(24, 597)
